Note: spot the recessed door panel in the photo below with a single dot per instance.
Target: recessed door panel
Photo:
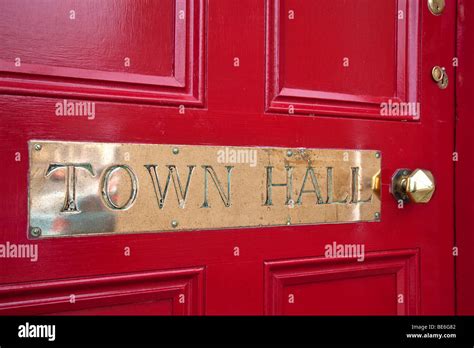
(341, 58)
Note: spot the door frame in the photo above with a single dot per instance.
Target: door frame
(464, 169)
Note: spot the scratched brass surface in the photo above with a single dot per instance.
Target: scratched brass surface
(101, 188)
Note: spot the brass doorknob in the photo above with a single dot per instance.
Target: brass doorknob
(417, 186)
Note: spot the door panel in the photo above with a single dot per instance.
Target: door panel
(233, 93)
(353, 38)
(176, 292)
(142, 51)
(344, 287)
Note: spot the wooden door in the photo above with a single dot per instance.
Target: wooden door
(280, 73)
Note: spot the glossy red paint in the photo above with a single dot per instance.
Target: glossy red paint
(465, 165)
(327, 286)
(176, 292)
(409, 252)
(113, 60)
(345, 56)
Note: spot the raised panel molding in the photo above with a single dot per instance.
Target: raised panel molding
(402, 264)
(184, 85)
(182, 288)
(294, 99)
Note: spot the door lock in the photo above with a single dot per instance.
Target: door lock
(417, 186)
(436, 6)
(440, 76)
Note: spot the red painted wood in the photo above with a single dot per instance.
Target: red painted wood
(230, 109)
(175, 292)
(297, 71)
(324, 286)
(162, 40)
(465, 165)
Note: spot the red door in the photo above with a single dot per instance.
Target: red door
(325, 74)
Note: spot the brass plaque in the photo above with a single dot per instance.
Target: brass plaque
(97, 188)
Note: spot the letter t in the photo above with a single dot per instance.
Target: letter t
(70, 204)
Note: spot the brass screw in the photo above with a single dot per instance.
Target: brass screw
(38, 147)
(174, 223)
(35, 231)
(175, 150)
